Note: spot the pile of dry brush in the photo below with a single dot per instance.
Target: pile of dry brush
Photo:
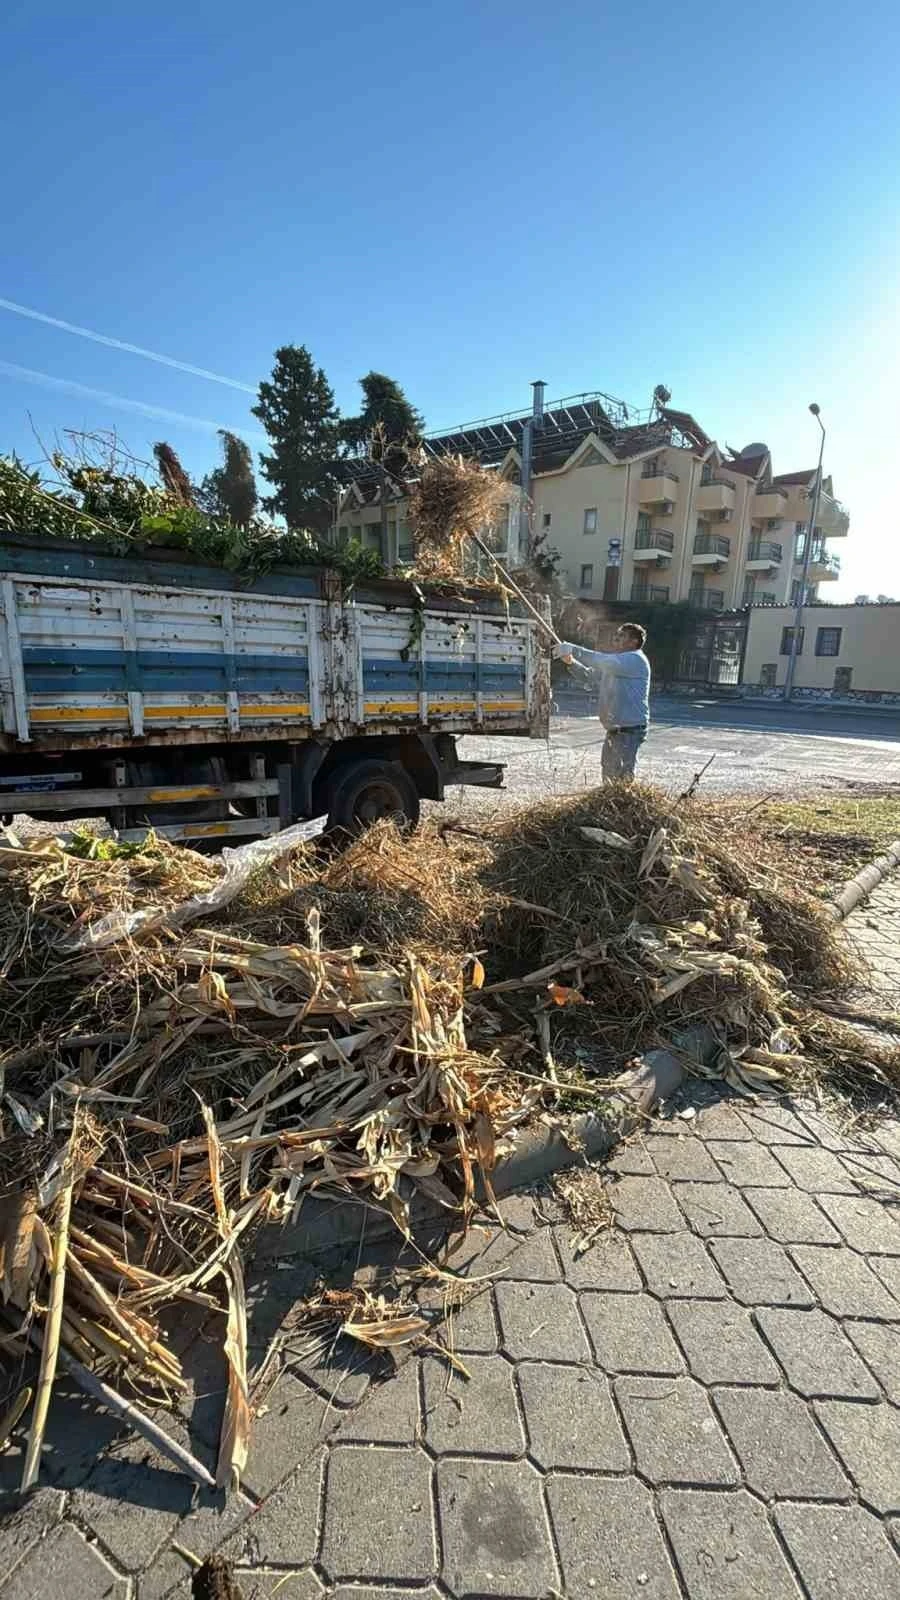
(375, 1022)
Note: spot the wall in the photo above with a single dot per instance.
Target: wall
(870, 645)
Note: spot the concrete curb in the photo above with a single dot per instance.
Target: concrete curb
(863, 882)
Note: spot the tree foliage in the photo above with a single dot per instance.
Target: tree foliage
(172, 474)
(296, 407)
(229, 492)
(388, 428)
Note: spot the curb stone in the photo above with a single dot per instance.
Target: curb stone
(861, 885)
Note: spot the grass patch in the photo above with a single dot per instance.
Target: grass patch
(836, 836)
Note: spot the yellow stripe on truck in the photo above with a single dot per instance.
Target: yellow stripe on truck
(78, 713)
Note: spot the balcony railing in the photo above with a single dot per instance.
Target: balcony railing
(653, 470)
(765, 550)
(712, 477)
(707, 599)
(654, 539)
(712, 544)
(826, 565)
(649, 593)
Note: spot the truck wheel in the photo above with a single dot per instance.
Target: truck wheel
(362, 792)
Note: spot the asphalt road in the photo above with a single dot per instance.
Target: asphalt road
(755, 750)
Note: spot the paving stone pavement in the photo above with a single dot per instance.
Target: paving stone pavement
(705, 1403)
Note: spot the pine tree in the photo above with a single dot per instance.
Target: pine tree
(229, 492)
(296, 407)
(388, 426)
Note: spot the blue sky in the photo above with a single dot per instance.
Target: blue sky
(467, 197)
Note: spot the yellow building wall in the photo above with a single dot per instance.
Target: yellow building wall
(869, 645)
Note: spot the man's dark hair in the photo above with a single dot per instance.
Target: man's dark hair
(636, 633)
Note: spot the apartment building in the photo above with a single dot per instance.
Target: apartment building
(637, 507)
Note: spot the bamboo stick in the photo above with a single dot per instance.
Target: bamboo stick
(50, 1348)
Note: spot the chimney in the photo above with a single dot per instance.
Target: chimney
(537, 407)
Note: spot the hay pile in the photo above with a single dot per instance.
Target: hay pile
(372, 1023)
(453, 499)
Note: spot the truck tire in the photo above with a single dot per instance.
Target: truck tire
(363, 792)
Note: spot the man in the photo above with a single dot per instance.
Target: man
(622, 677)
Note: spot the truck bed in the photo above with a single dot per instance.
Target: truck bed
(102, 652)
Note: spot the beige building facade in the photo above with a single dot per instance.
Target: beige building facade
(647, 510)
(846, 652)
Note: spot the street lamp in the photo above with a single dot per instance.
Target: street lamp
(807, 562)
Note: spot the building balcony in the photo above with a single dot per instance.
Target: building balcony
(657, 486)
(764, 555)
(649, 594)
(769, 504)
(824, 567)
(714, 497)
(653, 544)
(834, 520)
(710, 549)
(707, 599)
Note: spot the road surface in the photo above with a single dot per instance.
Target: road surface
(756, 750)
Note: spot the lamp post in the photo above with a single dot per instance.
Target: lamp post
(807, 562)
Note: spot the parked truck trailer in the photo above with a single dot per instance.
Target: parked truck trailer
(156, 693)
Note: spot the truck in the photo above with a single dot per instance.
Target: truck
(159, 694)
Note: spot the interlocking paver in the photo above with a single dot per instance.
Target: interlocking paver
(760, 1273)
(879, 1345)
(609, 1540)
(815, 1355)
(875, 1173)
(677, 1264)
(775, 1124)
(841, 1552)
(887, 1268)
(378, 1514)
(645, 1204)
(257, 1585)
(64, 1564)
(866, 1224)
(608, 1264)
(722, 1121)
(354, 1592)
(391, 1415)
(295, 1422)
(673, 1431)
(779, 1447)
(285, 1530)
(156, 1496)
(536, 1259)
(817, 1171)
(494, 1529)
(629, 1333)
(715, 1209)
(540, 1321)
(22, 1526)
(867, 1439)
(843, 1284)
(749, 1163)
(791, 1216)
(473, 1325)
(683, 1156)
(632, 1160)
(570, 1418)
(455, 1408)
(721, 1343)
(725, 1547)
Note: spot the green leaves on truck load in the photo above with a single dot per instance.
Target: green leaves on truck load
(120, 513)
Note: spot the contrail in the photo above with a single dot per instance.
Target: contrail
(121, 344)
(10, 369)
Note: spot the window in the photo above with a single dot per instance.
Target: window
(800, 544)
(546, 520)
(796, 589)
(643, 522)
(706, 474)
(587, 576)
(768, 674)
(843, 678)
(590, 519)
(787, 635)
(828, 642)
(799, 529)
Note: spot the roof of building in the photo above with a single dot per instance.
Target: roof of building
(794, 477)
